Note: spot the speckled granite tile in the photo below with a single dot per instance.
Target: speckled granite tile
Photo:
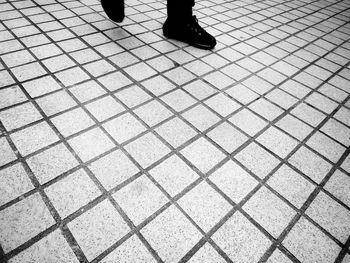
(204, 205)
(22, 221)
(98, 228)
(72, 192)
(173, 175)
(140, 199)
(171, 235)
(14, 182)
(309, 244)
(331, 215)
(241, 240)
(52, 248)
(131, 250)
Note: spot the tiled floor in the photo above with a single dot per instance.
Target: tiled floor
(118, 145)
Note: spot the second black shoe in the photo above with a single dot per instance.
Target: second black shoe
(189, 32)
(114, 9)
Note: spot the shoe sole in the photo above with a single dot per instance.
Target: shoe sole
(187, 42)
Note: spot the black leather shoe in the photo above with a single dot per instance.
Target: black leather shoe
(114, 9)
(189, 32)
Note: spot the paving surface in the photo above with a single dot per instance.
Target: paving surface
(118, 145)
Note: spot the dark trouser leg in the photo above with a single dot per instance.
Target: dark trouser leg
(179, 9)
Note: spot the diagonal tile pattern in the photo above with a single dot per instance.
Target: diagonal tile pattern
(118, 145)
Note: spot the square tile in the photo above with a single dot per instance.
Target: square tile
(72, 192)
(236, 72)
(98, 228)
(132, 250)
(179, 75)
(158, 85)
(310, 164)
(140, 71)
(56, 102)
(104, 108)
(98, 68)
(140, 199)
(52, 248)
(222, 104)
(145, 52)
(171, 235)
(14, 182)
(294, 127)
(199, 89)
(153, 113)
(281, 98)
(321, 102)
(227, 137)
(202, 154)
(6, 78)
(19, 116)
(241, 240)
(72, 76)
(45, 51)
(178, 100)
(17, 58)
(90, 144)
(234, 181)
(308, 114)
(291, 185)
(278, 257)
(174, 175)
(248, 122)
(7, 154)
(87, 91)
(336, 130)
(147, 149)
(277, 141)
(85, 55)
(23, 221)
(333, 92)
(58, 63)
(51, 163)
(72, 122)
(113, 169)
(161, 63)
(205, 206)
(326, 146)
(201, 117)
(34, 138)
(175, 132)
(41, 86)
(132, 96)
(269, 211)
(242, 94)
(272, 76)
(124, 127)
(28, 71)
(180, 56)
(115, 81)
(257, 85)
(338, 185)
(198, 67)
(330, 215)
(257, 160)
(265, 109)
(295, 88)
(309, 244)
(123, 59)
(219, 80)
(206, 254)
(215, 60)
